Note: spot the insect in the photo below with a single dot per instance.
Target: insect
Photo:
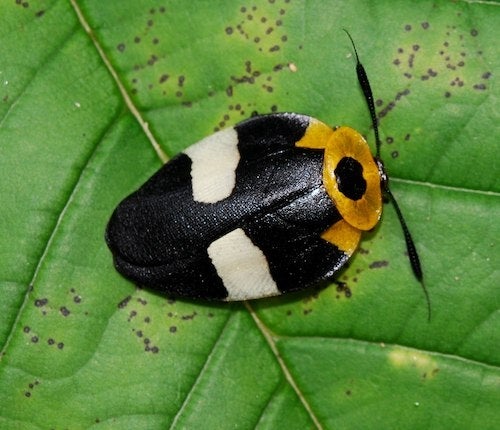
(272, 205)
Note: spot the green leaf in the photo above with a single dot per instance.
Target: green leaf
(88, 89)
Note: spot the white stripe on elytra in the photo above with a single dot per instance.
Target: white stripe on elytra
(213, 170)
(242, 266)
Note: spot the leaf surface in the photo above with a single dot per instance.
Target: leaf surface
(93, 95)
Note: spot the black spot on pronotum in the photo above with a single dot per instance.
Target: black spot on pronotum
(349, 176)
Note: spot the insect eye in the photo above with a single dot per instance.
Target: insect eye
(349, 177)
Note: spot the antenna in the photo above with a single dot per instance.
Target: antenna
(410, 244)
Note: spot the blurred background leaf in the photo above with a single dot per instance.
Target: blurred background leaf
(87, 90)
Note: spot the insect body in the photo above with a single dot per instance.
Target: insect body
(274, 204)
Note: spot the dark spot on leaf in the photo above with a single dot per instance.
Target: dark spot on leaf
(51, 341)
(379, 264)
(407, 27)
(64, 311)
(172, 329)
(34, 339)
(474, 32)
(229, 30)
(189, 317)
(389, 140)
(394, 154)
(27, 394)
(486, 75)
(26, 329)
(40, 13)
(121, 47)
(60, 345)
(41, 302)
(124, 302)
(137, 39)
(479, 87)
(425, 25)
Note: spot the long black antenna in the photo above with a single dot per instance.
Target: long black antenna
(364, 83)
(410, 244)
